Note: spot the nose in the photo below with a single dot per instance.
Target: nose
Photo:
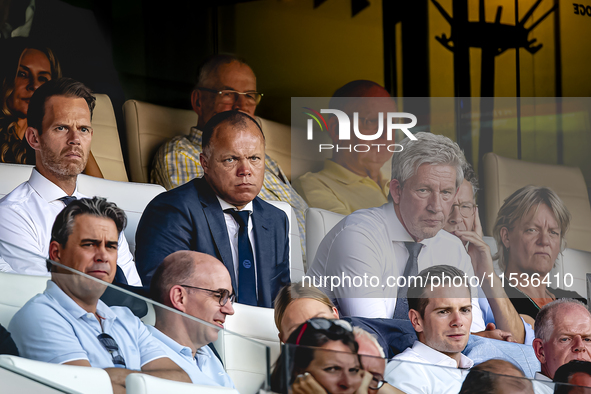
(435, 205)
(228, 309)
(73, 137)
(456, 319)
(578, 344)
(454, 215)
(33, 84)
(544, 238)
(101, 255)
(344, 381)
(244, 168)
(240, 102)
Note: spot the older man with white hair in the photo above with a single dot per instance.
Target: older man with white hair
(365, 261)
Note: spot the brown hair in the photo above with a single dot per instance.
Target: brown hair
(518, 205)
(12, 148)
(292, 292)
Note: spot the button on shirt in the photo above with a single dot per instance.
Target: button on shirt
(233, 227)
(371, 242)
(52, 328)
(205, 368)
(421, 369)
(28, 213)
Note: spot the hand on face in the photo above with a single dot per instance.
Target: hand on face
(478, 250)
(460, 217)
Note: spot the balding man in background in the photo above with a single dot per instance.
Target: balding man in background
(353, 180)
(563, 333)
(198, 285)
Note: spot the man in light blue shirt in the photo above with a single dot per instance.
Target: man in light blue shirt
(198, 285)
(68, 324)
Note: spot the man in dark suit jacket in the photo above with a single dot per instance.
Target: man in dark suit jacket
(201, 215)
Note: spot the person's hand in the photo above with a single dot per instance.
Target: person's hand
(478, 250)
(366, 378)
(493, 332)
(306, 384)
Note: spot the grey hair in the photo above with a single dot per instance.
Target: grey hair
(544, 324)
(428, 149)
(470, 176)
(518, 205)
(96, 206)
(211, 66)
(359, 332)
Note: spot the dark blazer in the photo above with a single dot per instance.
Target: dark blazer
(190, 217)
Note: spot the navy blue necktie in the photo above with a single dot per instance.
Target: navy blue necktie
(246, 278)
(67, 199)
(411, 269)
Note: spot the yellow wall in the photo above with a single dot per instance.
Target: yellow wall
(296, 50)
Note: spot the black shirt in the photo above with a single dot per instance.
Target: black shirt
(525, 306)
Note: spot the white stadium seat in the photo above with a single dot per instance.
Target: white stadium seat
(296, 262)
(138, 383)
(70, 378)
(15, 291)
(245, 361)
(318, 223)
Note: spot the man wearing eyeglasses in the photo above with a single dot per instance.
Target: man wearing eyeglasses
(463, 211)
(68, 324)
(198, 285)
(225, 83)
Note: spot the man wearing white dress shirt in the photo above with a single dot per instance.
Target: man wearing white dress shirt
(60, 131)
(198, 285)
(441, 315)
(399, 238)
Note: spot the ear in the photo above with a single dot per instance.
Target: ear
(177, 298)
(204, 162)
(32, 136)
(335, 312)
(333, 128)
(505, 237)
(539, 350)
(395, 191)
(279, 336)
(54, 251)
(415, 319)
(196, 101)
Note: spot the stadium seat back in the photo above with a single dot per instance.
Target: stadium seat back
(318, 223)
(15, 291)
(106, 146)
(138, 383)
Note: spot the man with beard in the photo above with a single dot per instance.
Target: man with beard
(60, 131)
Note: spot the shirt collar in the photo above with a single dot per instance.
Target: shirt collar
(171, 343)
(56, 293)
(395, 228)
(196, 136)
(542, 377)
(45, 188)
(225, 205)
(437, 358)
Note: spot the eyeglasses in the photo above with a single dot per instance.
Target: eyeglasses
(111, 346)
(329, 326)
(376, 383)
(466, 209)
(223, 295)
(228, 96)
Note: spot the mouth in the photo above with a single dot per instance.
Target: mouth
(219, 323)
(432, 222)
(99, 274)
(456, 336)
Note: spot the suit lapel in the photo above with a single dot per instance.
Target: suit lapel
(263, 251)
(217, 225)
